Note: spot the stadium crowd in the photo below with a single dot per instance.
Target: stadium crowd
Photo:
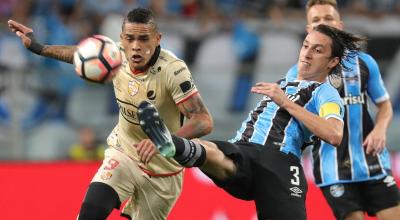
(43, 106)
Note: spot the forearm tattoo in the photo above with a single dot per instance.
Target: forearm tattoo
(62, 53)
(200, 121)
(194, 106)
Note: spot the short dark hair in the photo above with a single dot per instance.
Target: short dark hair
(344, 44)
(311, 3)
(142, 16)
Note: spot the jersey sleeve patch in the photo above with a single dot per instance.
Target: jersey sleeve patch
(186, 86)
(329, 109)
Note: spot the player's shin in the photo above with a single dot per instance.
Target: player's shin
(188, 153)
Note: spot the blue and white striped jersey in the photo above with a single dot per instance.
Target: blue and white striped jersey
(349, 162)
(272, 126)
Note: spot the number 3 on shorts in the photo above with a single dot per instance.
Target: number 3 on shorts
(296, 179)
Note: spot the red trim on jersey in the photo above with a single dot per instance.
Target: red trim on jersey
(185, 99)
(148, 172)
(137, 72)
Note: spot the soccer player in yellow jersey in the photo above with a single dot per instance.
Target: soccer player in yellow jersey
(132, 169)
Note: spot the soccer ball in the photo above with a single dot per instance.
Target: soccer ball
(97, 59)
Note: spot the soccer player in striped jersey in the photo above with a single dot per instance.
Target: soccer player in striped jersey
(131, 170)
(355, 177)
(262, 163)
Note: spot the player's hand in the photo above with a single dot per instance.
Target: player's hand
(146, 150)
(272, 90)
(21, 31)
(375, 141)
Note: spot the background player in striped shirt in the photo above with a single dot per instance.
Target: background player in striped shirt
(131, 170)
(262, 163)
(355, 177)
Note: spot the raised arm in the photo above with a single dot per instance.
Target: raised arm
(329, 130)
(58, 52)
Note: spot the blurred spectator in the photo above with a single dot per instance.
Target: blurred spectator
(380, 5)
(190, 8)
(35, 91)
(246, 44)
(203, 26)
(56, 80)
(88, 148)
(97, 10)
(6, 8)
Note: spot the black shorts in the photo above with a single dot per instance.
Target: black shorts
(273, 179)
(369, 196)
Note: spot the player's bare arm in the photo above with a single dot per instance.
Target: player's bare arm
(59, 52)
(200, 122)
(329, 130)
(376, 139)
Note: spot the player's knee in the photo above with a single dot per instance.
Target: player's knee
(99, 201)
(93, 212)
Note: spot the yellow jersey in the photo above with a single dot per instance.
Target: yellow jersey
(166, 83)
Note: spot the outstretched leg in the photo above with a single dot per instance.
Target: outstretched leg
(189, 153)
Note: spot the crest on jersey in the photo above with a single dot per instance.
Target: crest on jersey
(133, 87)
(106, 175)
(335, 80)
(336, 190)
(153, 70)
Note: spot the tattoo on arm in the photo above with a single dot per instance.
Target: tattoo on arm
(193, 106)
(62, 53)
(200, 121)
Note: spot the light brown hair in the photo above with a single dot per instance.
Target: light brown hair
(311, 3)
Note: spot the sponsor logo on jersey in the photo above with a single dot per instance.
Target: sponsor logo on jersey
(294, 97)
(179, 71)
(162, 58)
(291, 97)
(296, 191)
(353, 100)
(389, 180)
(128, 111)
(374, 167)
(105, 175)
(151, 95)
(133, 87)
(335, 80)
(351, 78)
(336, 190)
